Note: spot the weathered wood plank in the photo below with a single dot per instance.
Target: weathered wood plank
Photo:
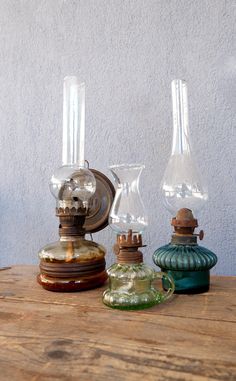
(51, 336)
(16, 283)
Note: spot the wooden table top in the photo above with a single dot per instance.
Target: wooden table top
(59, 336)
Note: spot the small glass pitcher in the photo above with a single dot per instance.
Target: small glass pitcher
(130, 280)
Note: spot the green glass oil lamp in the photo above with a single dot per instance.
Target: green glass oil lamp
(131, 282)
(184, 195)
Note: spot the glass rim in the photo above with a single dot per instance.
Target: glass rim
(127, 166)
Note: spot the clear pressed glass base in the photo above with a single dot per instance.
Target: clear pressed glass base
(130, 287)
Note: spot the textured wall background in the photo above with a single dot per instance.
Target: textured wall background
(127, 52)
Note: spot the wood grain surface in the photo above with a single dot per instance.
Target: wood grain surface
(62, 336)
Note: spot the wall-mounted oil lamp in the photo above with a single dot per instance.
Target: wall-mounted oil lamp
(84, 197)
(130, 280)
(184, 194)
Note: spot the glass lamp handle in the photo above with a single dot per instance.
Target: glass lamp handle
(164, 276)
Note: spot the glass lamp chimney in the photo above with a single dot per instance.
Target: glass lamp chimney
(72, 183)
(127, 212)
(73, 122)
(182, 185)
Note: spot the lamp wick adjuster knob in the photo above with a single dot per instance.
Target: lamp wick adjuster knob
(200, 235)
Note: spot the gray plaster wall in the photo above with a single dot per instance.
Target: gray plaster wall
(127, 52)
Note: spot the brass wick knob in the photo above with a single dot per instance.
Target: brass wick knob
(200, 235)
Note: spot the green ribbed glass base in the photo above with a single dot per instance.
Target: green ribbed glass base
(131, 287)
(189, 282)
(132, 307)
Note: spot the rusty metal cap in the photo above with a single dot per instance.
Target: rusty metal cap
(184, 219)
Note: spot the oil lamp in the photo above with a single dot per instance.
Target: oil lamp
(83, 200)
(184, 195)
(130, 280)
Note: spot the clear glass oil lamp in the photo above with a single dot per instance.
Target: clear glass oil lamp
(83, 200)
(130, 280)
(184, 194)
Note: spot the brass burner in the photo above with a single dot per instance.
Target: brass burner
(126, 248)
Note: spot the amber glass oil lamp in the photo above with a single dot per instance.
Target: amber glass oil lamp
(83, 200)
(184, 195)
(131, 282)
